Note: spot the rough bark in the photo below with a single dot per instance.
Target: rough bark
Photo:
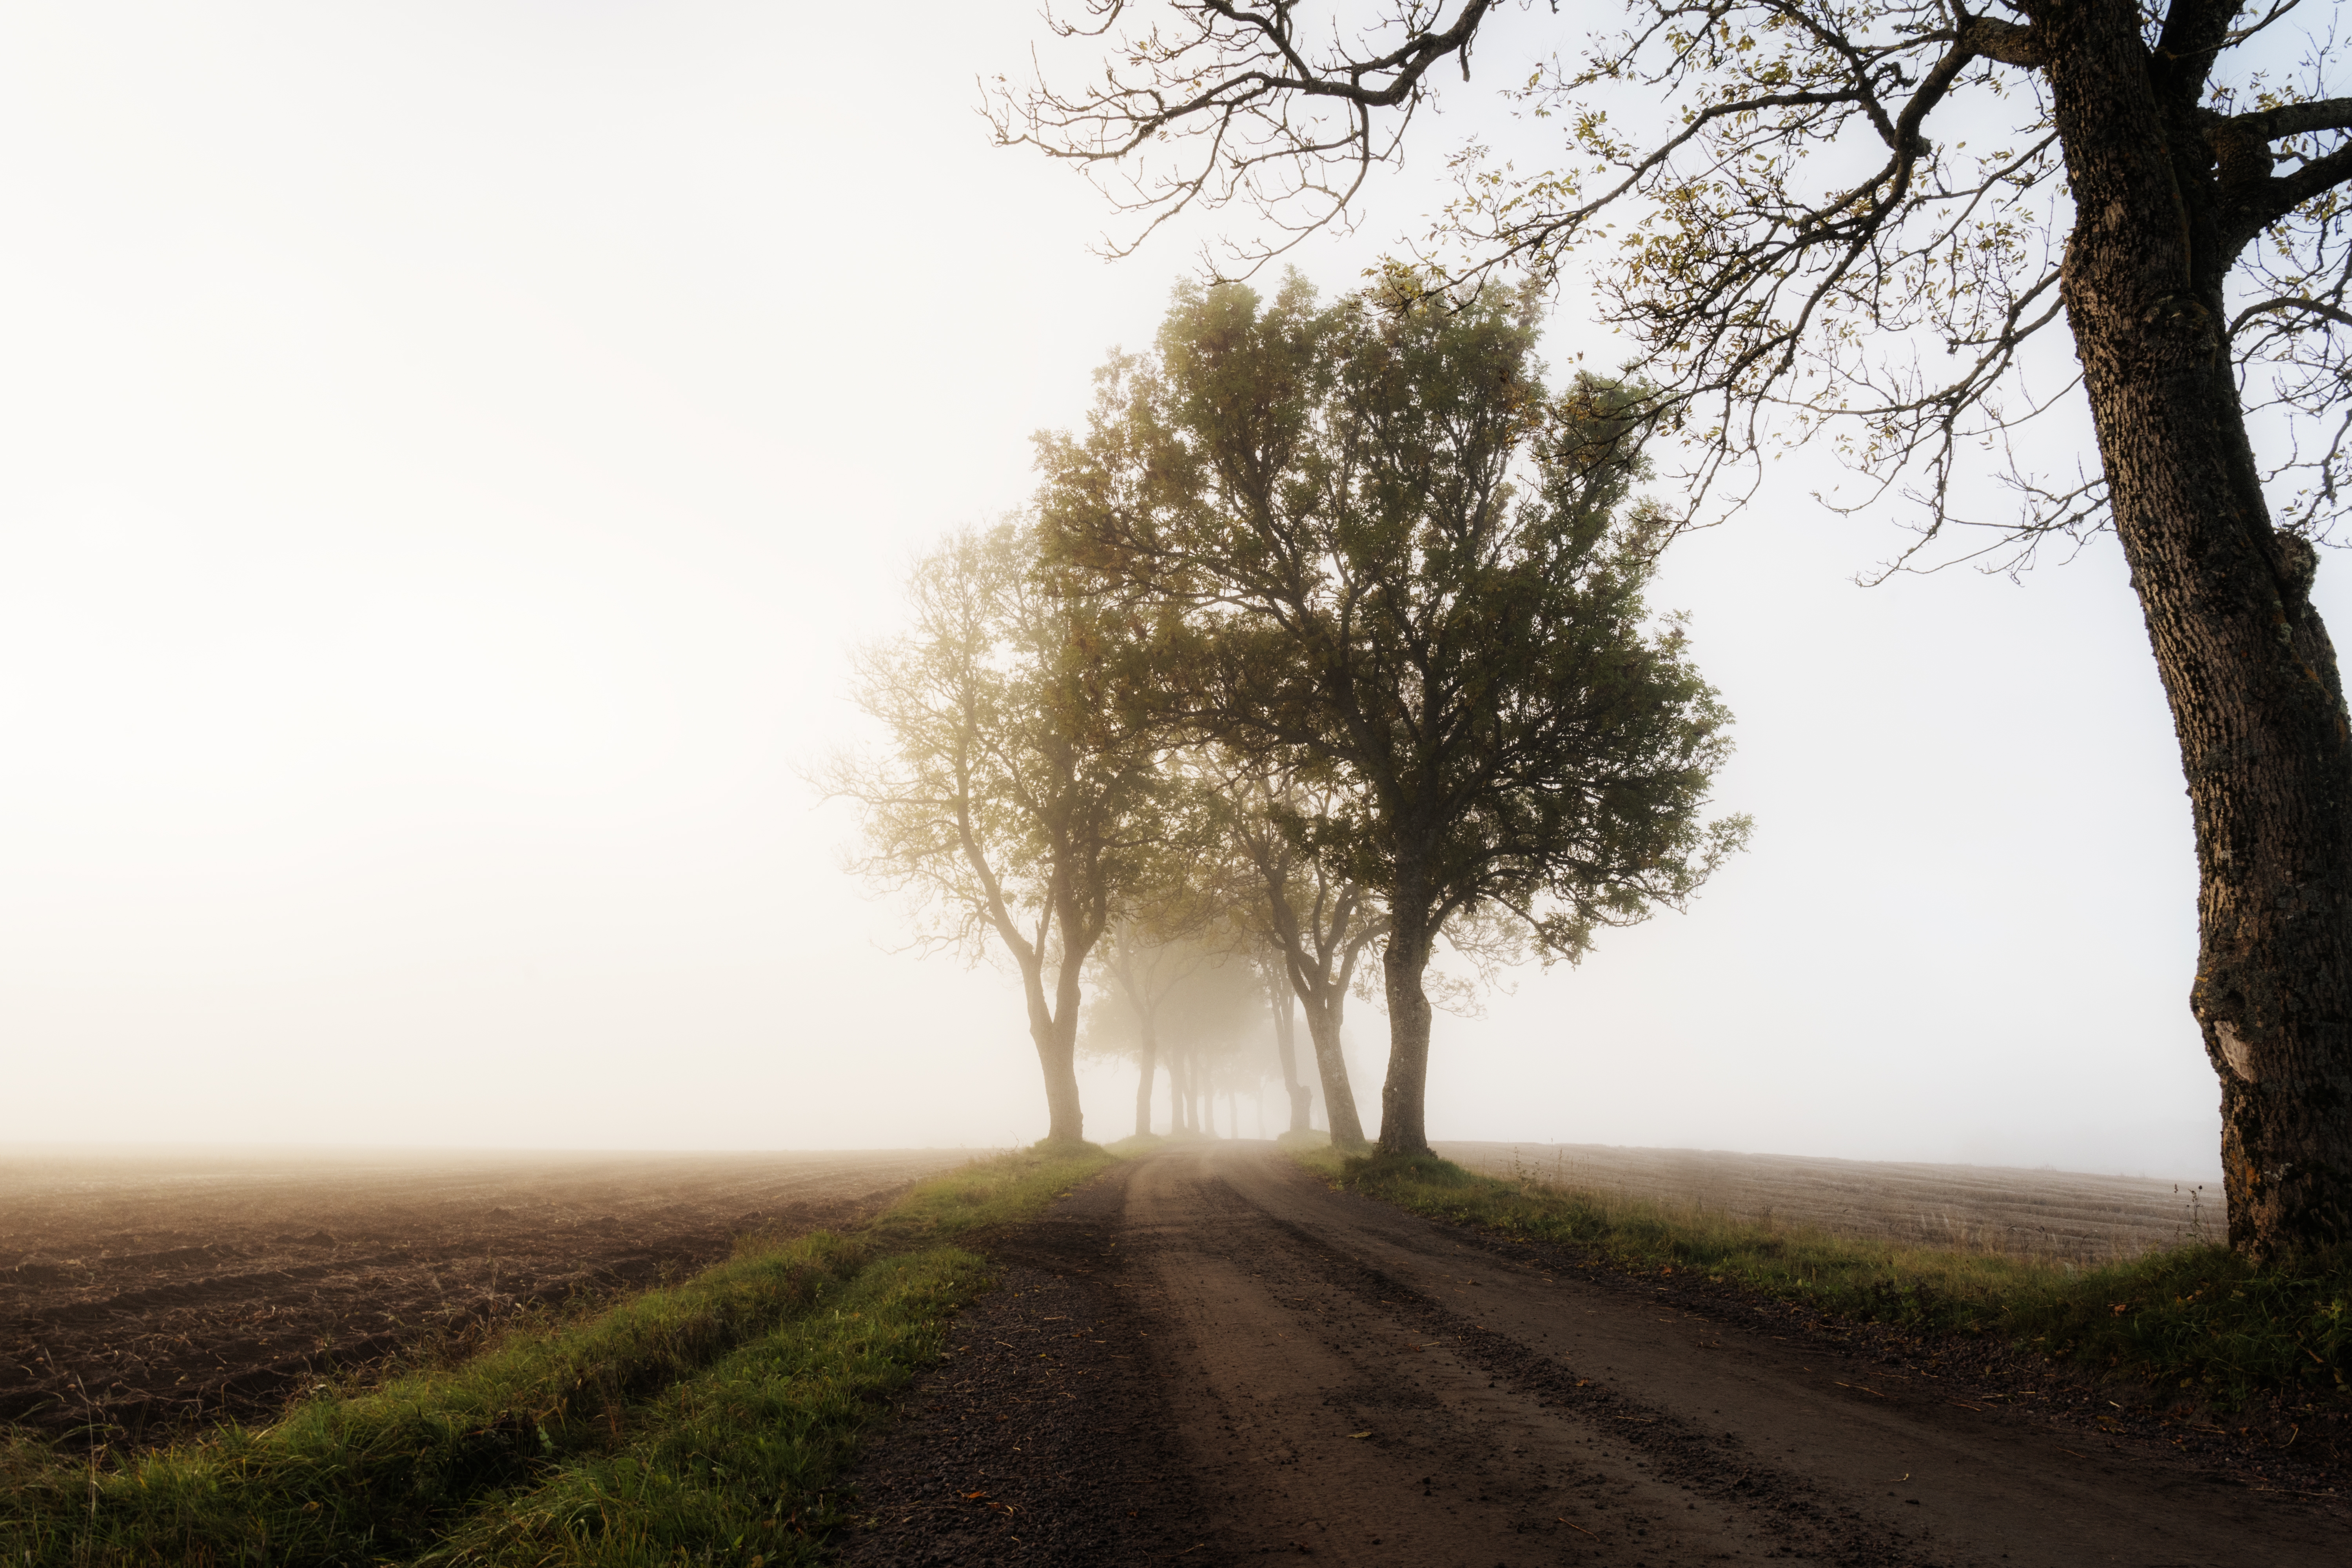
(1403, 963)
(2247, 667)
(1058, 1057)
(1332, 1068)
(1055, 1030)
(1056, 1039)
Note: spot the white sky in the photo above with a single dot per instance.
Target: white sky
(445, 450)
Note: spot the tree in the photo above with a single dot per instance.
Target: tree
(1794, 210)
(1312, 924)
(1143, 968)
(1234, 886)
(1218, 1023)
(1181, 910)
(1283, 1002)
(1319, 506)
(1012, 801)
(1202, 1001)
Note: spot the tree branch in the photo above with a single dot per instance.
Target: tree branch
(2256, 205)
(2293, 118)
(2298, 303)
(2004, 41)
(2195, 32)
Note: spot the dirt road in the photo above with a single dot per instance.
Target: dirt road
(1209, 1352)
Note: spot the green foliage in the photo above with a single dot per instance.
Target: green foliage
(1009, 795)
(1385, 557)
(2198, 1317)
(1012, 804)
(708, 1415)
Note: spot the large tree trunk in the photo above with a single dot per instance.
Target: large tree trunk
(1332, 1068)
(1057, 1055)
(2252, 678)
(1056, 1032)
(1402, 963)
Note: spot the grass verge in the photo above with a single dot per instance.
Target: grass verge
(700, 1422)
(2196, 1317)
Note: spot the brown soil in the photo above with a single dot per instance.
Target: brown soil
(1216, 1358)
(1044, 1434)
(139, 1294)
(2063, 1214)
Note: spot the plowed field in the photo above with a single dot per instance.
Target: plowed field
(2063, 1215)
(140, 1292)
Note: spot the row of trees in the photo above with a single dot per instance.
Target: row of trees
(1330, 627)
(1212, 1010)
(1853, 222)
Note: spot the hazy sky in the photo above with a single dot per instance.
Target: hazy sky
(449, 449)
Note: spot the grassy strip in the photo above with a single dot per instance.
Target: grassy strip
(2196, 1316)
(730, 1466)
(706, 1416)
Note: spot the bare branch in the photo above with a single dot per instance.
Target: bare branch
(2287, 120)
(2316, 308)
(1772, 303)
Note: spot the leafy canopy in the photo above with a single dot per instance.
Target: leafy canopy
(1010, 799)
(1382, 555)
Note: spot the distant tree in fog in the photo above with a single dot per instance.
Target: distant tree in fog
(1225, 863)
(1142, 968)
(1191, 1005)
(1310, 922)
(1013, 799)
(1299, 1094)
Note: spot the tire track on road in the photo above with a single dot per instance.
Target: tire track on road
(1253, 1365)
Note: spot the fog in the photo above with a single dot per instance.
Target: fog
(448, 450)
